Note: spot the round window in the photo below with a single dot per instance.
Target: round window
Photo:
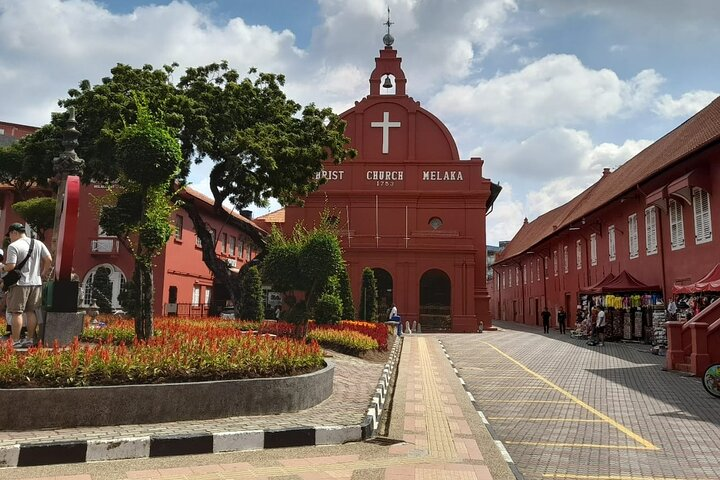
(435, 223)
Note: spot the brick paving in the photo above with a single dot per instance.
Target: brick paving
(434, 434)
(566, 410)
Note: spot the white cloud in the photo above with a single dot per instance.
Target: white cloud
(506, 217)
(68, 41)
(554, 90)
(552, 194)
(686, 106)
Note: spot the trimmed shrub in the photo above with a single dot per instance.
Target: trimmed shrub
(328, 309)
(344, 341)
(251, 304)
(368, 296)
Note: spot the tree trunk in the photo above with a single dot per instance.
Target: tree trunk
(218, 267)
(144, 321)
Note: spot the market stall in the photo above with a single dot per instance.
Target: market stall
(693, 298)
(628, 306)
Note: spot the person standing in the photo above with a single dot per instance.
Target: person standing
(600, 326)
(562, 319)
(546, 320)
(33, 261)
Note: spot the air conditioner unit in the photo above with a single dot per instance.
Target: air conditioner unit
(102, 246)
(232, 262)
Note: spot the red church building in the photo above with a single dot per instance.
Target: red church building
(408, 207)
(627, 243)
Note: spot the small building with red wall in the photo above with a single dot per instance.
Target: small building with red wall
(183, 283)
(653, 222)
(408, 207)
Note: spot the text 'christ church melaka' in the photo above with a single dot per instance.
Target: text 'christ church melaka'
(407, 207)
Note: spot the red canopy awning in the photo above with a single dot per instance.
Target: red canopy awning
(709, 283)
(596, 287)
(626, 283)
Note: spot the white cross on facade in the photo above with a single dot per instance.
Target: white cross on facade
(386, 125)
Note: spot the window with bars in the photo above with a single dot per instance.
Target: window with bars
(231, 247)
(524, 274)
(537, 265)
(555, 262)
(578, 254)
(196, 295)
(593, 249)
(701, 209)
(545, 267)
(633, 242)
(611, 243)
(677, 229)
(502, 274)
(224, 244)
(651, 243)
(517, 276)
(566, 259)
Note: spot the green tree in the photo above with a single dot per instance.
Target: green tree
(345, 293)
(307, 261)
(260, 143)
(38, 212)
(149, 158)
(102, 289)
(251, 306)
(368, 296)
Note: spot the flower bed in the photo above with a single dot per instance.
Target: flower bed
(378, 332)
(185, 350)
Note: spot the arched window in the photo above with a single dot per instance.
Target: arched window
(435, 223)
(117, 278)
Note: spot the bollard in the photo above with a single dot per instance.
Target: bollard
(407, 327)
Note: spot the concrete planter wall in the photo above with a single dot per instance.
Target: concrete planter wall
(137, 404)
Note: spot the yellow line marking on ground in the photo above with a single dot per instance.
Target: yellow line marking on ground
(622, 428)
(525, 419)
(516, 388)
(579, 445)
(572, 476)
(500, 400)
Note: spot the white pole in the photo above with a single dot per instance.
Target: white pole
(377, 227)
(406, 226)
(347, 214)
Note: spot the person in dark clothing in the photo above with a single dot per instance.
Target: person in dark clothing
(546, 320)
(562, 318)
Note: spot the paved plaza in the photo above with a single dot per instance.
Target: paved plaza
(499, 405)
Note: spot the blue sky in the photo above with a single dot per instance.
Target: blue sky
(548, 92)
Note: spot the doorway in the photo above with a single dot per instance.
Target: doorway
(435, 297)
(384, 285)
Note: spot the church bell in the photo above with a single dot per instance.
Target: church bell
(387, 83)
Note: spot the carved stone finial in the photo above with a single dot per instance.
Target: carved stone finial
(68, 163)
(388, 39)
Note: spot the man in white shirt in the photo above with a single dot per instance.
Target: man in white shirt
(25, 296)
(600, 326)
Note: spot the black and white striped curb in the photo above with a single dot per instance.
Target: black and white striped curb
(374, 413)
(506, 456)
(50, 453)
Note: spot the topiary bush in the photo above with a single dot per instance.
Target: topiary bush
(328, 309)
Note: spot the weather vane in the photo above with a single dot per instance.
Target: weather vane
(388, 39)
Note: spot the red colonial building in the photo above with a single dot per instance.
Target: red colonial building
(625, 242)
(408, 208)
(183, 284)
